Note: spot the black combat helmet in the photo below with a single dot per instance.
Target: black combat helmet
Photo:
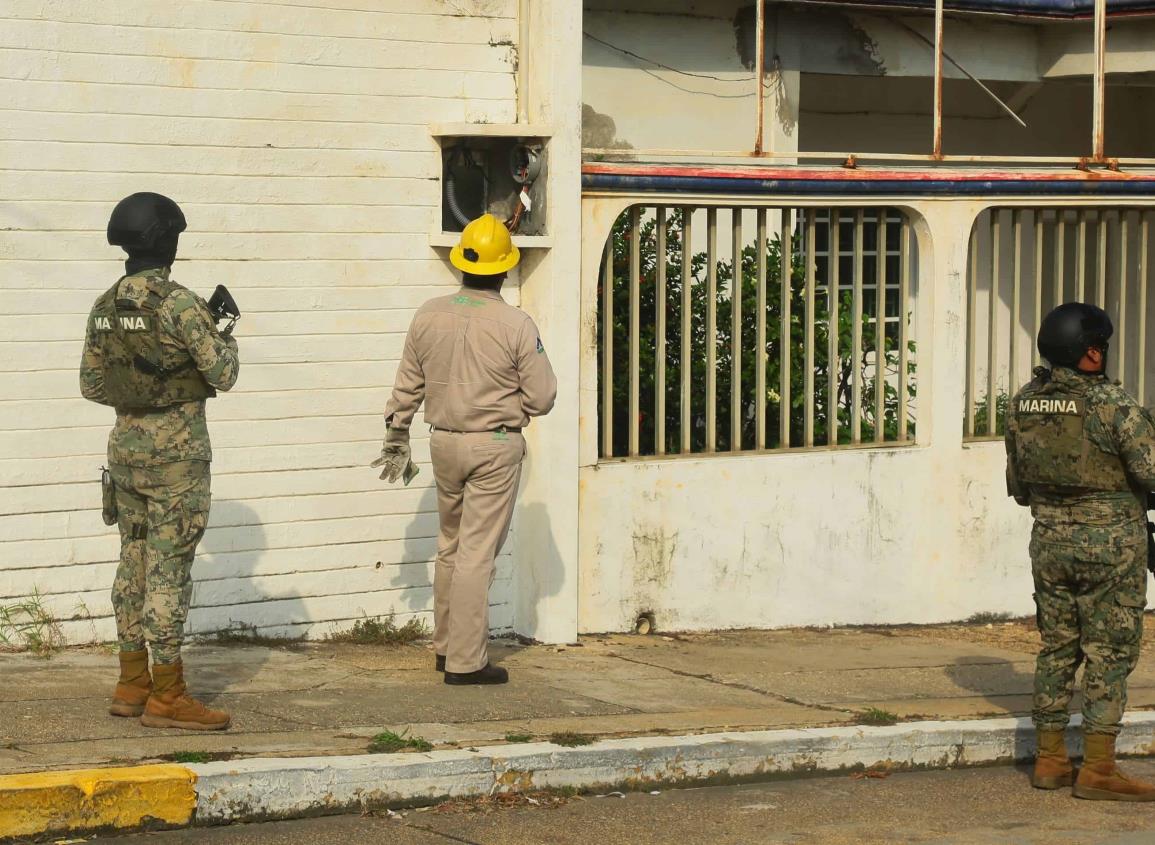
(1070, 330)
(142, 221)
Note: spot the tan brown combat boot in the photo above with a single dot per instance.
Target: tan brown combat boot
(170, 705)
(135, 684)
(1053, 769)
(1100, 779)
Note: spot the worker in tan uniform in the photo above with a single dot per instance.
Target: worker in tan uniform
(480, 367)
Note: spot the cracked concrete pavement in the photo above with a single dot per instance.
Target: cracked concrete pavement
(313, 699)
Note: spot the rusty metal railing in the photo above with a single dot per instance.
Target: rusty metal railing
(748, 329)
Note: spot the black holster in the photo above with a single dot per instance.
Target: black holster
(109, 512)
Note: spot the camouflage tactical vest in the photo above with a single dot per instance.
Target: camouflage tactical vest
(136, 372)
(1053, 445)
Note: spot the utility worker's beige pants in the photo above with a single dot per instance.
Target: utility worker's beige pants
(477, 475)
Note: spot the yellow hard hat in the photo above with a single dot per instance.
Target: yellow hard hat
(485, 249)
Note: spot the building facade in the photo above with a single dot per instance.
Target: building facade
(822, 449)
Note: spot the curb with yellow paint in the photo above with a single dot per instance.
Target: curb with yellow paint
(96, 799)
(250, 790)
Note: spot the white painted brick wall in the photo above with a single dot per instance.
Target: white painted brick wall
(294, 135)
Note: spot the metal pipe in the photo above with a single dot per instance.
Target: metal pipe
(759, 72)
(687, 348)
(1124, 283)
(859, 157)
(938, 30)
(832, 369)
(1081, 257)
(972, 329)
(808, 331)
(736, 286)
(760, 334)
(635, 327)
(1036, 358)
(711, 329)
(1016, 294)
(660, 339)
(903, 331)
(1101, 232)
(608, 350)
(880, 330)
(966, 72)
(1144, 243)
(856, 331)
(993, 324)
(1097, 125)
(785, 338)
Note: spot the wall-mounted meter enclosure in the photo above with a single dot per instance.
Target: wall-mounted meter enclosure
(494, 169)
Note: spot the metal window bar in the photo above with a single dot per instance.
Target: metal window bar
(856, 331)
(711, 329)
(880, 256)
(785, 336)
(1141, 277)
(607, 349)
(644, 282)
(685, 403)
(762, 355)
(1114, 271)
(635, 324)
(832, 290)
(660, 305)
(808, 331)
(993, 318)
(736, 332)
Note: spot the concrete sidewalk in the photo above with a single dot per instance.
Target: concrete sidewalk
(321, 699)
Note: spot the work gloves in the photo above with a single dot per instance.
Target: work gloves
(396, 459)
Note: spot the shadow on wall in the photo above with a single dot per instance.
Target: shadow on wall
(414, 574)
(229, 606)
(539, 571)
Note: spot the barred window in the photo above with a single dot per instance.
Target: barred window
(815, 350)
(1025, 261)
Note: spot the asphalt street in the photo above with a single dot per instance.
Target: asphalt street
(993, 806)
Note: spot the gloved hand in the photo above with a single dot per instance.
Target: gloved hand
(396, 456)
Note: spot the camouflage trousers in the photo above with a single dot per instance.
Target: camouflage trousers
(1090, 612)
(163, 513)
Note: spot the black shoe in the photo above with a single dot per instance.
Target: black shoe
(489, 675)
(440, 664)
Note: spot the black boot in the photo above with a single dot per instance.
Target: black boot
(440, 663)
(489, 675)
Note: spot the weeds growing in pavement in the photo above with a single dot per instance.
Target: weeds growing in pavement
(27, 625)
(875, 716)
(241, 634)
(388, 742)
(571, 739)
(382, 631)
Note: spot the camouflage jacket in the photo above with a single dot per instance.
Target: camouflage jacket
(1104, 436)
(179, 432)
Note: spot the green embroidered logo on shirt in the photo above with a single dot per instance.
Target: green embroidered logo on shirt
(468, 300)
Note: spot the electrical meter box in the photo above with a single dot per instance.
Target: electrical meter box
(496, 169)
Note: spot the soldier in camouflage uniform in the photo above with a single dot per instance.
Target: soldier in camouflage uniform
(152, 351)
(1081, 454)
